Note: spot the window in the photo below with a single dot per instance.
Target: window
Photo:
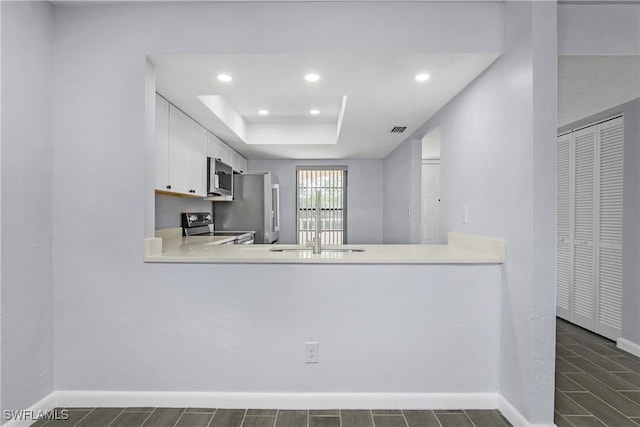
(331, 183)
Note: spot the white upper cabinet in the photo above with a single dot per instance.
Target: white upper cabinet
(187, 159)
(219, 150)
(182, 148)
(212, 146)
(236, 162)
(216, 149)
(227, 154)
(244, 166)
(162, 144)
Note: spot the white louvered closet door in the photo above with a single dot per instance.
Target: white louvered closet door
(564, 273)
(609, 242)
(589, 227)
(584, 208)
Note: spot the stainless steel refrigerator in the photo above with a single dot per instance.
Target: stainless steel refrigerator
(255, 206)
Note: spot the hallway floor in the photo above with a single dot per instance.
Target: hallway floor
(597, 384)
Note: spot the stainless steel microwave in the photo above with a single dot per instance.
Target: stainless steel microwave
(219, 178)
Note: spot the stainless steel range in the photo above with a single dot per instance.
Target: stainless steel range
(201, 224)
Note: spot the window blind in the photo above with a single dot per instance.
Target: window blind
(331, 183)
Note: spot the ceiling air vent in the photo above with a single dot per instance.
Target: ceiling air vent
(398, 129)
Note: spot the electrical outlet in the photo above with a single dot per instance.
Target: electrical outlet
(311, 354)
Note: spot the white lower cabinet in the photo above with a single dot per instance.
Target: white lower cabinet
(589, 227)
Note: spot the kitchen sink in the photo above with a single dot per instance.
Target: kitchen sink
(324, 250)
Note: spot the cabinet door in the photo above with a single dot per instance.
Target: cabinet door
(239, 163)
(235, 161)
(243, 165)
(217, 149)
(162, 143)
(226, 154)
(187, 160)
(198, 162)
(214, 146)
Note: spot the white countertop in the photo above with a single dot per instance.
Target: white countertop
(462, 249)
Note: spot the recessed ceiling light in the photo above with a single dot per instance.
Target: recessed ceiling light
(224, 77)
(312, 77)
(263, 112)
(422, 77)
(314, 112)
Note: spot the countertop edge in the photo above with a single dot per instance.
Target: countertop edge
(465, 250)
(375, 261)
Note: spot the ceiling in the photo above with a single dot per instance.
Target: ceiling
(360, 97)
(590, 84)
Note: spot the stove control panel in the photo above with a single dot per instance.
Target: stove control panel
(196, 219)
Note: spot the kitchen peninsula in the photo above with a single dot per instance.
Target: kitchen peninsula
(423, 317)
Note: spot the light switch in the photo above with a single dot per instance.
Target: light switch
(465, 214)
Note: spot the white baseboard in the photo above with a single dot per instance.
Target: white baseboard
(70, 399)
(514, 416)
(628, 346)
(511, 413)
(278, 400)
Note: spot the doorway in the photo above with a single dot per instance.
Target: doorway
(430, 186)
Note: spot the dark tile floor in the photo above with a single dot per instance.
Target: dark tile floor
(596, 383)
(204, 417)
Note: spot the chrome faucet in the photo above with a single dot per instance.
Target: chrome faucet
(317, 247)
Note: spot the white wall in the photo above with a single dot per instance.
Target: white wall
(364, 196)
(403, 193)
(112, 311)
(631, 215)
(27, 316)
(599, 28)
(589, 84)
(498, 158)
(242, 328)
(169, 208)
(119, 322)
